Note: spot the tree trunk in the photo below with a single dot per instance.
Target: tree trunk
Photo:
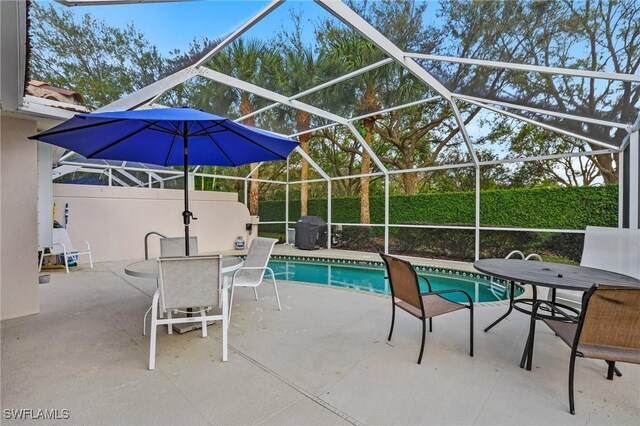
(303, 122)
(370, 103)
(365, 168)
(410, 183)
(247, 108)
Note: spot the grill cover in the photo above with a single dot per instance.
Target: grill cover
(310, 231)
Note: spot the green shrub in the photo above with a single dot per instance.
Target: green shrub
(550, 208)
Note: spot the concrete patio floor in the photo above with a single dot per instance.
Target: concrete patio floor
(323, 359)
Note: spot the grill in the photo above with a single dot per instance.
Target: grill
(311, 231)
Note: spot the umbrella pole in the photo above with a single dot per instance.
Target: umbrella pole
(186, 214)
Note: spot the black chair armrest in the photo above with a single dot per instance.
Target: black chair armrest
(427, 281)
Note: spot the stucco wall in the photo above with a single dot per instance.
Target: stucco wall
(115, 219)
(18, 219)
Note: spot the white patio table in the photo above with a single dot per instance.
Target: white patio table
(149, 269)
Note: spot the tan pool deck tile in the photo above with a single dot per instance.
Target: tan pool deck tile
(324, 359)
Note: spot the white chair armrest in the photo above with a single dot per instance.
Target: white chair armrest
(84, 243)
(64, 248)
(254, 268)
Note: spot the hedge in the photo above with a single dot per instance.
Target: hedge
(554, 208)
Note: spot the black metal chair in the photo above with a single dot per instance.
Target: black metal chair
(608, 328)
(406, 294)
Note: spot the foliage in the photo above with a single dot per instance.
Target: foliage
(101, 62)
(551, 208)
(104, 63)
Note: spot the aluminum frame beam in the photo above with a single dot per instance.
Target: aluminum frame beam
(543, 125)
(313, 164)
(355, 21)
(544, 111)
(526, 67)
(239, 31)
(395, 108)
(268, 94)
(463, 130)
(144, 95)
(321, 86)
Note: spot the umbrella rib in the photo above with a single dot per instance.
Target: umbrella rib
(205, 130)
(173, 141)
(101, 150)
(219, 147)
(254, 142)
(88, 126)
(158, 128)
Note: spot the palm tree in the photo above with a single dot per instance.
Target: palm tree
(253, 61)
(299, 69)
(349, 51)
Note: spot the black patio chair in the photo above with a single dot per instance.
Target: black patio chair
(406, 294)
(608, 328)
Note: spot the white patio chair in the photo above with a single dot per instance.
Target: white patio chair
(63, 246)
(252, 273)
(174, 246)
(171, 247)
(186, 282)
(609, 249)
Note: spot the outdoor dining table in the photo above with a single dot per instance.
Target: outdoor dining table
(545, 274)
(149, 269)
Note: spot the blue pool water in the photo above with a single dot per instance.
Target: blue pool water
(371, 278)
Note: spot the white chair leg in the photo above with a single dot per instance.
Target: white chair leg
(255, 291)
(154, 326)
(66, 261)
(225, 323)
(144, 321)
(204, 322)
(230, 300)
(275, 287)
(169, 326)
(90, 260)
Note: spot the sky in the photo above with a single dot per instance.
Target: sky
(170, 25)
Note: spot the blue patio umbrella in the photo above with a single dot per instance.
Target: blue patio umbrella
(168, 137)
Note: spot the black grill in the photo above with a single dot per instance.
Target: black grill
(311, 231)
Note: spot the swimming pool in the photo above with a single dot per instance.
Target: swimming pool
(370, 277)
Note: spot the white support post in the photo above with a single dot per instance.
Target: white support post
(286, 207)
(386, 214)
(149, 181)
(110, 175)
(329, 236)
(477, 226)
(246, 192)
(634, 179)
(621, 189)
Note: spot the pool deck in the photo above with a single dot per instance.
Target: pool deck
(323, 359)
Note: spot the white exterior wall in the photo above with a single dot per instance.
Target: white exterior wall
(18, 219)
(115, 219)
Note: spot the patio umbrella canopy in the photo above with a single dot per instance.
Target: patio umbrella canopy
(168, 137)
